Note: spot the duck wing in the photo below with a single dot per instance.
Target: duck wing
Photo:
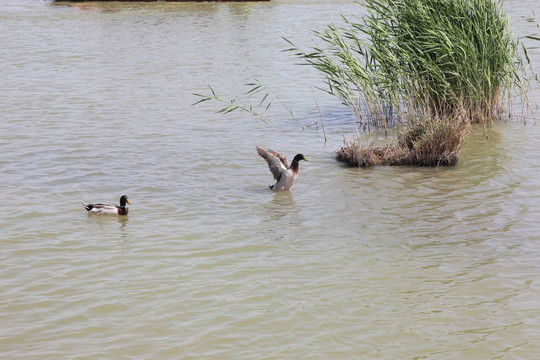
(102, 206)
(96, 206)
(99, 207)
(281, 158)
(275, 162)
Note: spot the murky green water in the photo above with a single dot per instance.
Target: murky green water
(383, 263)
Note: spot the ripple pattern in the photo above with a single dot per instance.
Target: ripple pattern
(383, 263)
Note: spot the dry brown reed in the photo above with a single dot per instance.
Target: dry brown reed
(426, 140)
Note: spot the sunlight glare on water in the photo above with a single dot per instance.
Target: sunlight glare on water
(382, 263)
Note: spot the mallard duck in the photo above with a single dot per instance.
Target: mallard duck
(279, 166)
(109, 209)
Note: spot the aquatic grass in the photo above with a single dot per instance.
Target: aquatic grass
(358, 155)
(434, 140)
(425, 65)
(233, 104)
(429, 67)
(423, 141)
(408, 54)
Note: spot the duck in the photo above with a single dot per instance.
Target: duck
(109, 209)
(284, 174)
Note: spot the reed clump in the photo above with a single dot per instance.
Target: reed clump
(431, 141)
(431, 67)
(357, 155)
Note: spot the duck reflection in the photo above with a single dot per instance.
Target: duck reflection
(105, 223)
(281, 217)
(122, 220)
(282, 205)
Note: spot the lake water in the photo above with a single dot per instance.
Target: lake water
(383, 263)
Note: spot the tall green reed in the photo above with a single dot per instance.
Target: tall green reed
(430, 66)
(404, 56)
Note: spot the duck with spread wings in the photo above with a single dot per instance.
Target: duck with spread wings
(284, 174)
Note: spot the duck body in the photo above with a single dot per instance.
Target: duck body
(101, 209)
(284, 174)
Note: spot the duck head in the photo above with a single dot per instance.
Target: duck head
(299, 157)
(123, 200)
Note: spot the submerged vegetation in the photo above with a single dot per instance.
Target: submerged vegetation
(431, 67)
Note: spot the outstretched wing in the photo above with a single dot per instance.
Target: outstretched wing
(275, 162)
(281, 158)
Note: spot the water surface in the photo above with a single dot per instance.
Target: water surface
(382, 263)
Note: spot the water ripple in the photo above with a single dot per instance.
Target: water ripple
(386, 263)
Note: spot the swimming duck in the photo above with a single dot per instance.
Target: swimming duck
(284, 173)
(109, 209)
